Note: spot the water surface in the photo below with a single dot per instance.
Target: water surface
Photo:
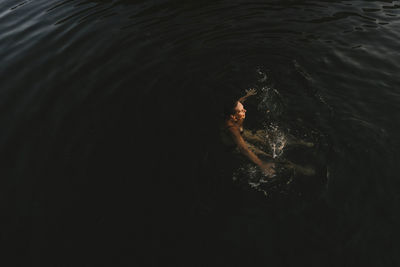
(110, 113)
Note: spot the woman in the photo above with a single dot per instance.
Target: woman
(233, 131)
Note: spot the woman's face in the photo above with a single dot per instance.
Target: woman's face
(240, 112)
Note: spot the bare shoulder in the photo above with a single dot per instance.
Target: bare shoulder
(232, 127)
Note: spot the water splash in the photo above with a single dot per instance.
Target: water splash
(270, 103)
(270, 98)
(263, 75)
(277, 140)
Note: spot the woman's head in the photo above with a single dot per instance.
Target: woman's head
(235, 111)
(240, 112)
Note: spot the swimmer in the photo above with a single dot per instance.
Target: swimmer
(233, 124)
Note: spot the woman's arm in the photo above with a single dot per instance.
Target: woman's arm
(242, 146)
(258, 151)
(249, 136)
(249, 92)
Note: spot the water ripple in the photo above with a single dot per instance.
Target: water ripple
(19, 5)
(59, 5)
(80, 79)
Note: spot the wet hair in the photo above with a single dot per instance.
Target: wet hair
(229, 107)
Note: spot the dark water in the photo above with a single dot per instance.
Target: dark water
(110, 113)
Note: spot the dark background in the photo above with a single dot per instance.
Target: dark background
(109, 140)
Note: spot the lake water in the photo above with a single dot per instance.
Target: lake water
(110, 127)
